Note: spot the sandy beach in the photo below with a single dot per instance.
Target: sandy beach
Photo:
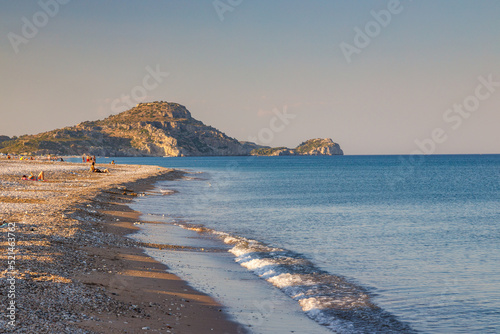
(67, 266)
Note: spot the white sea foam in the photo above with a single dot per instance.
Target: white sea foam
(331, 300)
(230, 240)
(289, 280)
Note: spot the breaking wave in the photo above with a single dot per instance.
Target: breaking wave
(331, 300)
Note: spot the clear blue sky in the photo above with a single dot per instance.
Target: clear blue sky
(263, 55)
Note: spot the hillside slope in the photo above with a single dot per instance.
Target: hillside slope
(150, 129)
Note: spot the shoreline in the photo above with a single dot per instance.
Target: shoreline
(78, 272)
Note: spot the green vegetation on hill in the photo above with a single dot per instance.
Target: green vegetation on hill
(267, 151)
(312, 144)
(320, 146)
(149, 129)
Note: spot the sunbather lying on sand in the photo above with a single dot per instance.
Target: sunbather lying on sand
(96, 170)
(40, 177)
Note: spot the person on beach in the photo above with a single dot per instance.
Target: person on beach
(40, 177)
(96, 170)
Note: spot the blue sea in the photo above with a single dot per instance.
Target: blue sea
(360, 244)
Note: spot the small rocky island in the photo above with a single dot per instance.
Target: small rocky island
(151, 129)
(311, 147)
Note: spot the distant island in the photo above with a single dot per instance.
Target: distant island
(311, 147)
(151, 129)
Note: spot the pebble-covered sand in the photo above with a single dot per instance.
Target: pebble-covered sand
(49, 222)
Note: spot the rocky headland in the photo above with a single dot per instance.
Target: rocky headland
(151, 129)
(318, 146)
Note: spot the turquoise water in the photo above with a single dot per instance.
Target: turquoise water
(364, 244)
